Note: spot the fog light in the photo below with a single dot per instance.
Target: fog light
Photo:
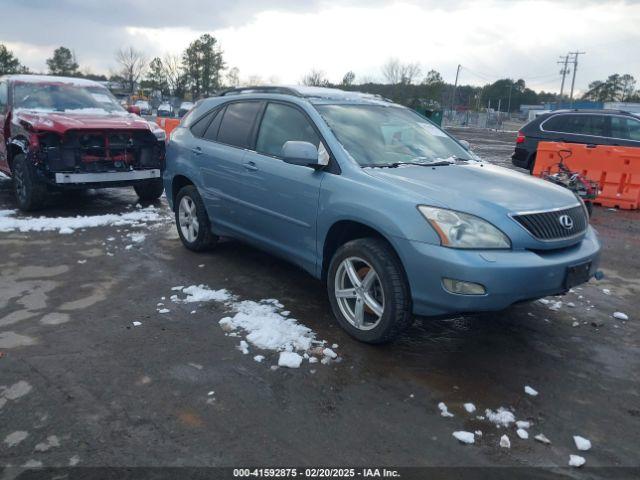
(463, 288)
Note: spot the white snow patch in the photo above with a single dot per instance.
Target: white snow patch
(202, 293)
(327, 352)
(582, 443)
(522, 433)
(523, 424)
(137, 237)
(501, 417)
(164, 310)
(66, 225)
(505, 442)
(620, 316)
(289, 359)
(137, 324)
(530, 391)
(313, 360)
(541, 437)
(259, 358)
(464, 437)
(606, 291)
(576, 461)
(244, 347)
(470, 407)
(444, 411)
(15, 438)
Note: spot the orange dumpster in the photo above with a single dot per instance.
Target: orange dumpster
(167, 124)
(615, 169)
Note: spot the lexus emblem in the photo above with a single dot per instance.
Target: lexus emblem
(566, 221)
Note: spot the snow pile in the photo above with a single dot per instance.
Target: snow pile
(202, 293)
(530, 391)
(522, 433)
(137, 237)
(470, 407)
(620, 316)
(576, 461)
(444, 411)
(582, 443)
(66, 225)
(267, 328)
(523, 424)
(464, 437)
(501, 417)
(505, 442)
(541, 437)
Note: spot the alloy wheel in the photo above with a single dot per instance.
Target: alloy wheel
(188, 219)
(359, 293)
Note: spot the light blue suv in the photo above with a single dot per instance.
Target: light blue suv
(393, 214)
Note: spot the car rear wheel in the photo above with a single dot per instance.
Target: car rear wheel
(149, 190)
(29, 192)
(368, 292)
(192, 220)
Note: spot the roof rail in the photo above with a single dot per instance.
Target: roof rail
(260, 89)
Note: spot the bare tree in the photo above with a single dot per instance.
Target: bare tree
(395, 72)
(233, 77)
(132, 65)
(391, 71)
(174, 74)
(315, 78)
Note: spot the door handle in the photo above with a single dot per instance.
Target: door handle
(197, 150)
(251, 166)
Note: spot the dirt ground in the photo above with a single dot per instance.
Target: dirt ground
(81, 385)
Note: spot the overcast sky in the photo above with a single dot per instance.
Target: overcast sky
(280, 40)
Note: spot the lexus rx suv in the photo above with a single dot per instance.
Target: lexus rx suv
(394, 216)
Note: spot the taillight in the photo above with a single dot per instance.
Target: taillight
(520, 138)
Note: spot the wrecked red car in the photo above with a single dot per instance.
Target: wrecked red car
(61, 133)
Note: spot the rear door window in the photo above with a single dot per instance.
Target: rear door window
(594, 125)
(3, 96)
(283, 123)
(237, 123)
(625, 128)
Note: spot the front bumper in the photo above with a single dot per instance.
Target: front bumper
(106, 177)
(509, 276)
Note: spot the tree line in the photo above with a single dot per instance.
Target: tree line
(201, 71)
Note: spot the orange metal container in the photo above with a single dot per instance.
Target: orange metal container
(615, 169)
(167, 124)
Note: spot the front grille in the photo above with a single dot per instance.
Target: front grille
(556, 224)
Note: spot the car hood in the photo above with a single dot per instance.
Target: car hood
(476, 188)
(61, 122)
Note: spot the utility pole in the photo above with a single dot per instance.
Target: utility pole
(575, 67)
(509, 102)
(455, 86)
(563, 61)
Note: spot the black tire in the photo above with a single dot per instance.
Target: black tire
(30, 193)
(149, 190)
(205, 239)
(396, 316)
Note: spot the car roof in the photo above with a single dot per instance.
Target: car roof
(80, 82)
(312, 94)
(605, 111)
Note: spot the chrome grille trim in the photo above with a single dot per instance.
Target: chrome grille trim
(545, 225)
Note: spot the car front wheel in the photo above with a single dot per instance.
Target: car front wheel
(368, 292)
(192, 220)
(30, 193)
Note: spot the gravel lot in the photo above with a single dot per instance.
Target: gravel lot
(81, 384)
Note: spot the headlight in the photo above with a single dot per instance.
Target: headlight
(461, 230)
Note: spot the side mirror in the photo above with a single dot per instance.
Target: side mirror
(133, 109)
(305, 154)
(466, 145)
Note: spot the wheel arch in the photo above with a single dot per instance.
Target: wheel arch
(177, 184)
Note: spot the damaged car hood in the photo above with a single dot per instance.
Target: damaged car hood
(62, 121)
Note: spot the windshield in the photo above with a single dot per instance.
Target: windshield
(378, 135)
(46, 97)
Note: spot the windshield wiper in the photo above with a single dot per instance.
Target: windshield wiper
(399, 164)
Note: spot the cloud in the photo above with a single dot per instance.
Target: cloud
(286, 38)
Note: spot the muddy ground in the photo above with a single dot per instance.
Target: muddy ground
(83, 386)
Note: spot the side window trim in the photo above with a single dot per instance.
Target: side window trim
(213, 112)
